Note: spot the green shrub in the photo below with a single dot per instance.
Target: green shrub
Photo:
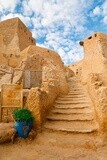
(23, 115)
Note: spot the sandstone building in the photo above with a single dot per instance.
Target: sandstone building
(95, 58)
(92, 71)
(24, 63)
(14, 37)
(71, 99)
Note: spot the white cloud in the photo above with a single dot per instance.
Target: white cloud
(97, 11)
(105, 19)
(27, 11)
(58, 22)
(104, 7)
(101, 11)
(36, 22)
(104, 12)
(54, 22)
(8, 5)
(36, 5)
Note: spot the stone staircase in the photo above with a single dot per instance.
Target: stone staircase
(73, 113)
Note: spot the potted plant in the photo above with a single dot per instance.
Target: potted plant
(23, 121)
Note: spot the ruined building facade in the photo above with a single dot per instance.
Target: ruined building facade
(24, 63)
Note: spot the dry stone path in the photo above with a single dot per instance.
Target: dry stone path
(73, 113)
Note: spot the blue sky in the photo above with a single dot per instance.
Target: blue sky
(59, 24)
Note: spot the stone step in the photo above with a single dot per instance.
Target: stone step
(72, 98)
(74, 127)
(76, 85)
(72, 102)
(77, 89)
(68, 106)
(73, 110)
(71, 117)
(77, 93)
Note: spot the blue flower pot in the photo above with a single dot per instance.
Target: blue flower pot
(23, 128)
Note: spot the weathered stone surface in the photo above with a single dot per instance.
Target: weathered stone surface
(41, 100)
(23, 63)
(32, 71)
(11, 95)
(95, 59)
(76, 67)
(27, 79)
(25, 95)
(40, 59)
(34, 104)
(7, 132)
(14, 37)
(5, 74)
(92, 71)
(17, 76)
(7, 78)
(72, 117)
(11, 98)
(6, 114)
(69, 72)
(32, 135)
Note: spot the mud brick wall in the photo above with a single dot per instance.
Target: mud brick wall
(14, 37)
(95, 58)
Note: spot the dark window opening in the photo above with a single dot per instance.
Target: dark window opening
(89, 37)
(95, 35)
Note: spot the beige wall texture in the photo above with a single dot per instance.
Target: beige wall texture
(40, 100)
(51, 65)
(14, 37)
(76, 67)
(95, 58)
(53, 83)
(94, 74)
(40, 70)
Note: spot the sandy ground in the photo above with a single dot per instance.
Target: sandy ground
(56, 146)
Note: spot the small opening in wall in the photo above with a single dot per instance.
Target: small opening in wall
(32, 41)
(95, 35)
(89, 37)
(76, 71)
(81, 43)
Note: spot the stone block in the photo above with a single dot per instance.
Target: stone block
(7, 131)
